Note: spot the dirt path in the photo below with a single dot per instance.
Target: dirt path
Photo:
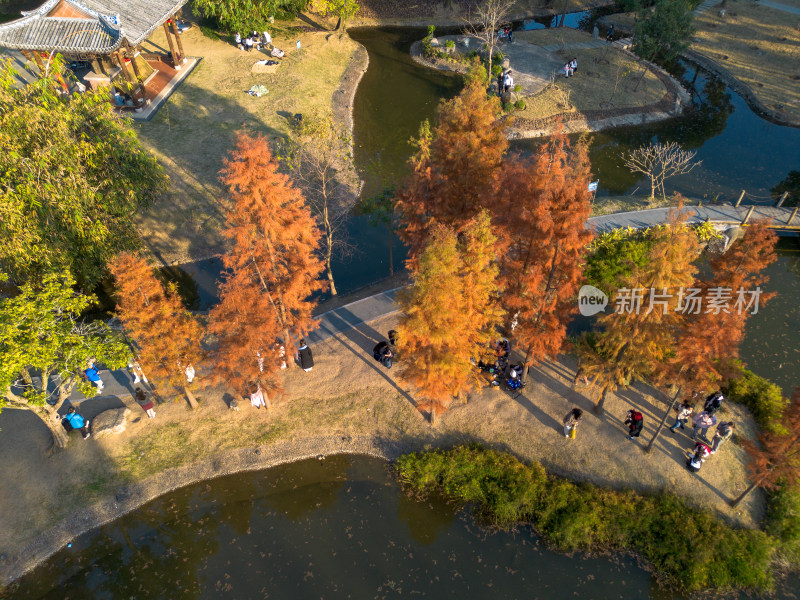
(347, 403)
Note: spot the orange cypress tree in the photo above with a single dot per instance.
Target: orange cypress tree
(709, 341)
(637, 339)
(169, 337)
(543, 215)
(456, 166)
(777, 462)
(246, 352)
(449, 313)
(273, 235)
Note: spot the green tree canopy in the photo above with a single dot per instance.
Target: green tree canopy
(245, 16)
(663, 32)
(72, 178)
(45, 346)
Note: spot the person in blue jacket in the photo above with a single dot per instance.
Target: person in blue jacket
(73, 420)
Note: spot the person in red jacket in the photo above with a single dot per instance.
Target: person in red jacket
(635, 423)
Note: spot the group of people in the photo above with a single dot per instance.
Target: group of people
(505, 82)
(570, 68)
(258, 41)
(506, 33)
(701, 423)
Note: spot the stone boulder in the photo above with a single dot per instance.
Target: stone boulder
(113, 420)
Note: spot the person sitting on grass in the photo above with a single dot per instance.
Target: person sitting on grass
(698, 457)
(573, 66)
(73, 420)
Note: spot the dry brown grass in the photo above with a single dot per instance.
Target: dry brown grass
(599, 70)
(194, 130)
(758, 45)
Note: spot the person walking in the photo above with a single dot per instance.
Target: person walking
(713, 403)
(73, 420)
(304, 357)
(684, 412)
(93, 375)
(702, 423)
(146, 403)
(571, 422)
(508, 82)
(136, 371)
(500, 79)
(635, 423)
(723, 434)
(257, 397)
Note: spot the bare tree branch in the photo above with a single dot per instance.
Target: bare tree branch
(659, 162)
(485, 23)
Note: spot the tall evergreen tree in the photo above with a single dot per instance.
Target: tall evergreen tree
(456, 166)
(542, 215)
(449, 313)
(273, 236)
(246, 351)
(168, 336)
(776, 462)
(636, 339)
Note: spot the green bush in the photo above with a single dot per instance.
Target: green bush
(688, 547)
(764, 399)
(783, 521)
(520, 104)
(450, 44)
(496, 70)
(614, 255)
(508, 107)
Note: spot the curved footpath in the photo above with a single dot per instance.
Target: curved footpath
(342, 329)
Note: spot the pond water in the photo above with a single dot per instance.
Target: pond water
(338, 528)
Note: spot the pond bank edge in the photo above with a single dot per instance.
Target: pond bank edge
(16, 562)
(741, 88)
(597, 120)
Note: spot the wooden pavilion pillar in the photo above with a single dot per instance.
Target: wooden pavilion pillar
(175, 61)
(133, 80)
(177, 37)
(131, 52)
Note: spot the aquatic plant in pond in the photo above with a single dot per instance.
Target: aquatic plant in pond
(688, 548)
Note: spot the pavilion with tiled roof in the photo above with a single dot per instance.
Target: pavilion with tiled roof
(106, 33)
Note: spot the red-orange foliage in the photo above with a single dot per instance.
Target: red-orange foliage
(168, 336)
(274, 238)
(709, 342)
(449, 314)
(456, 167)
(247, 331)
(542, 215)
(777, 461)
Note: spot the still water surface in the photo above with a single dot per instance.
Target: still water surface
(340, 528)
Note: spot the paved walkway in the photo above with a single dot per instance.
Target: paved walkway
(576, 45)
(120, 382)
(778, 6)
(705, 5)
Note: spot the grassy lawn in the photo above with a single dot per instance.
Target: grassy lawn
(758, 45)
(195, 129)
(600, 70)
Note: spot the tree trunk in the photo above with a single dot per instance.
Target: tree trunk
(266, 399)
(652, 188)
(328, 246)
(190, 397)
(53, 423)
(663, 420)
(432, 415)
(743, 495)
(598, 408)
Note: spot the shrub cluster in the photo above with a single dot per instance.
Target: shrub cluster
(762, 397)
(688, 548)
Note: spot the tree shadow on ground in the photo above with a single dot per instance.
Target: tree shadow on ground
(194, 131)
(360, 339)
